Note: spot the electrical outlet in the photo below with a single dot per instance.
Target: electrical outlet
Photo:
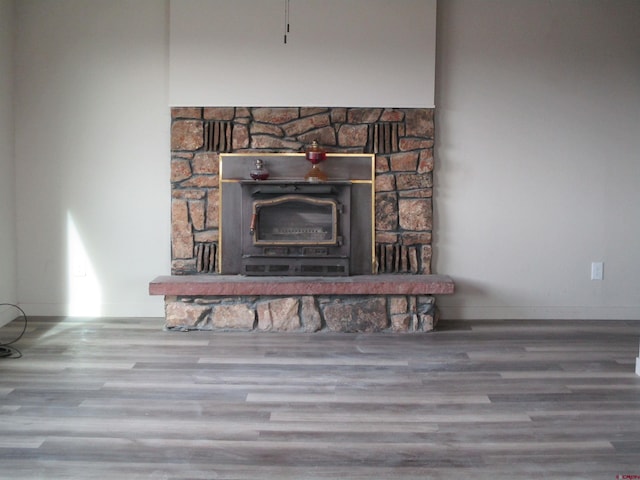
(597, 270)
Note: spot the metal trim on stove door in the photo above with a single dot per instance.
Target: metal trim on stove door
(260, 204)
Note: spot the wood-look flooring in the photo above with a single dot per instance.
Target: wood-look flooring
(123, 399)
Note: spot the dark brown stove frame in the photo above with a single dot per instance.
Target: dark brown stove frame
(356, 169)
(298, 254)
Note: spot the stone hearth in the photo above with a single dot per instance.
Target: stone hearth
(361, 303)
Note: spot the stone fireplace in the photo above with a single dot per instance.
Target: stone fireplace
(396, 295)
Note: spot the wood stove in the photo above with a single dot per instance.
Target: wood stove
(288, 226)
(295, 228)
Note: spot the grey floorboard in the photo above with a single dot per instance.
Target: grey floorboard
(122, 398)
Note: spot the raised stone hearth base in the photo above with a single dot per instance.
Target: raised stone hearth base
(369, 313)
(369, 303)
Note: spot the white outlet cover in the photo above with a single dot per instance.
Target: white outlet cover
(597, 270)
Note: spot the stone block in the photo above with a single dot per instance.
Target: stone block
(404, 162)
(428, 314)
(397, 304)
(181, 230)
(182, 266)
(415, 214)
(427, 322)
(310, 315)
(419, 122)
(338, 115)
(407, 144)
(386, 237)
(219, 113)
(273, 143)
(186, 112)
(364, 115)
(420, 193)
(416, 238)
(412, 305)
(413, 259)
(180, 169)
(280, 315)
(306, 124)
(324, 136)
(425, 259)
(206, 164)
(186, 155)
(404, 258)
(426, 302)
(240, 137)
(207, 236)
(196, 213)
(426, 163)
(367, 314)
(401, 322)
(213, 209)
(382, 164)
(392, 115)
(188, 194)
(187, 135)
(385, 183)
(275, 115)
(237, 316)
(256, 128)
(386, 211)
(412, 181)
(308, 111)
(206, 300)
(182, 246)
(242, 112)
(180, 314)
(202, 181)
(353, 135)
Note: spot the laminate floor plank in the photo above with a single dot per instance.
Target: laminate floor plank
(122, 398)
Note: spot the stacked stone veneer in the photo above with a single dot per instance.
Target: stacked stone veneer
(305, 313)
(402, 140)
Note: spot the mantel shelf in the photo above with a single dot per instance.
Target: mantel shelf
(218, 285)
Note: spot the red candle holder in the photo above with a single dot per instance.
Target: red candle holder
(315, 154)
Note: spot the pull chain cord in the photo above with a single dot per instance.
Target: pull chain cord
(5, 350)
(286, 20)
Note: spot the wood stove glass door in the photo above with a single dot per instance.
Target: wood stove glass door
(295, 220)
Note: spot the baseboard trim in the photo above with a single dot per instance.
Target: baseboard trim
(455, 312)
(8, 314)
(153, 308)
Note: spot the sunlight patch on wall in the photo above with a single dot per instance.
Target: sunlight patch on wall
(85, 292)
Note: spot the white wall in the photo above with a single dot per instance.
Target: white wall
(7, 175)
(538, 144)
(92, 157)
(537, 138)
(362, 53)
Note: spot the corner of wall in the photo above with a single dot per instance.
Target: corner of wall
(8, 267)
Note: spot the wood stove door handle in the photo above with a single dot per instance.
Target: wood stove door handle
(254, 219)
